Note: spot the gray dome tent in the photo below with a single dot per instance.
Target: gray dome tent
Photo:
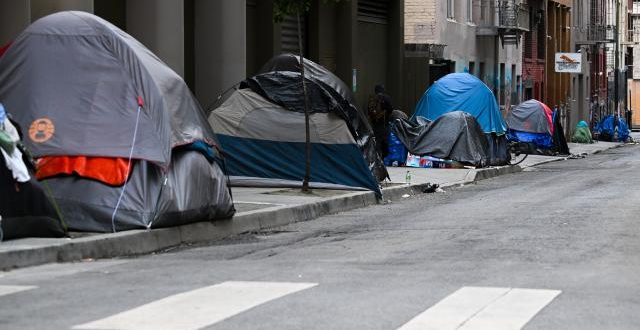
(454, 135)
(82, 87)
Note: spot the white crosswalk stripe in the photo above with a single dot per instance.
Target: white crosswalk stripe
(9, 289)
(478, 308)
(199, 308)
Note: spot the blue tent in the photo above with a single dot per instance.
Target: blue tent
(463, 92)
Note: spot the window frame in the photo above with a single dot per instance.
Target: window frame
(451, 12)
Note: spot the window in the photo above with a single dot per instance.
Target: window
(528, 36)
(541, 35)
(481, 72)
(472, 67)
(579, 13)
(450, 10)
(469, 10)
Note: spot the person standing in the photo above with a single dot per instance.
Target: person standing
(379, 112)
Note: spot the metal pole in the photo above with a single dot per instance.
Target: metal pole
(307, 144)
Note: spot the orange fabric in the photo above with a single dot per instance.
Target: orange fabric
(112, 171)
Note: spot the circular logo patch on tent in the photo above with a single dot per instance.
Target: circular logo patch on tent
(41, 130)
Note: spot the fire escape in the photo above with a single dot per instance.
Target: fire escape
(598, 31)
(507, 19)
(633, 37)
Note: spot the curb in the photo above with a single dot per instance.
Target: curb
(137, 242)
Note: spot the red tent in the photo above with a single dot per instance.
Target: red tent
(4, 48)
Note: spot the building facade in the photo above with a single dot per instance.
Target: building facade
(633, 63)
(404, 44)
(481, 37)
(214, 45)
(185, 34)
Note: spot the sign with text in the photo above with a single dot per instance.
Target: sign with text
(569, 62)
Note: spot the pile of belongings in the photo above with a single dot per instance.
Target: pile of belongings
(613, 129)
(454, 136)
(120, 140)
(397, 155)
(535, 129)
(431, 162)
(25, 208)
(261, 128)
(465, 92)
(582, 134)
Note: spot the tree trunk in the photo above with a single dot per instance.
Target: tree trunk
(307, 172)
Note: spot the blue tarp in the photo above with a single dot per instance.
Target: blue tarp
(464, 92)
(397, 151)
(541, 140)
(607, 127)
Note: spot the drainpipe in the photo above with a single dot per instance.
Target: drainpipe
(546, 50)
(496, 59)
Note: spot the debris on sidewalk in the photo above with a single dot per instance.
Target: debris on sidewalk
(578, 156)
(431, 188)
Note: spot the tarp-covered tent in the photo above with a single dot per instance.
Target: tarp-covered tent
(87, 91)
(612, 128)
(25, 208)
(345, 104)
(533, 129)
(465, 92)
(454, 135)
(262, 130)
(531, 122)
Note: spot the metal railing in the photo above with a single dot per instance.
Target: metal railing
(633, 35)
(596, 33)
(611, 31)
(512, 15)
(503, 14)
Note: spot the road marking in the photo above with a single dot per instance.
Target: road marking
(51, 271)
(9, 289)
(478, 308)
(198, 308)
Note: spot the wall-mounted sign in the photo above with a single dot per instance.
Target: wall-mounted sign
(569, 62)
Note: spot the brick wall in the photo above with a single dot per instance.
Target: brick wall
(532, 66)
(420, 21)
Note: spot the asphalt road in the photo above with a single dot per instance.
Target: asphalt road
(557, 247)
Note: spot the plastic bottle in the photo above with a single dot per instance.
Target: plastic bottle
(407, 178)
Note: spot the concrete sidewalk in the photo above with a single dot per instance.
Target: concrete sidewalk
(257, 209)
